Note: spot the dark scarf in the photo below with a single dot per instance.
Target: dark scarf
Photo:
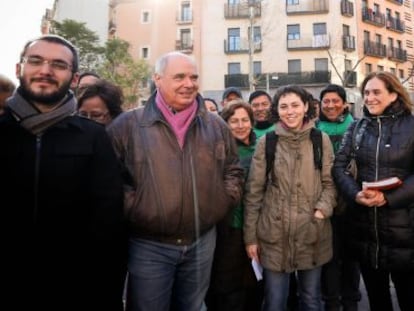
(35, 121)
(261, 125)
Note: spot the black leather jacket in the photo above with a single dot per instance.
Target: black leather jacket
(381, 236)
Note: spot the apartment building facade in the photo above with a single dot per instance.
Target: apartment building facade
(94, 13)
(387, 38)
(263, 44)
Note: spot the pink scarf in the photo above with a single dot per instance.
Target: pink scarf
(179, 121)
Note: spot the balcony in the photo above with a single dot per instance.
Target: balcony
(395, 24)
(308, 7)
(241, 46)
(311, 42)
(347, 8)
(375, 49)
(397, 54)
(237, 80)
(234, 11)
(350, 78)
(399, 2)
(348, 43)
(373, 18)
(303, 78)
(184, 46)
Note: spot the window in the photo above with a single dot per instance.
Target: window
(348, 64)
(257, 35)
(380, 68)
(401, 73)
(399, 44)
(321, 64)
(319, 29)
(144, 53)
(257, 68)
(233, 68)
(364, 4)
(368, 68)
(345, 30)
(186, 12)
(376, 8)
(392, 70)
(390, 43)
(145, 17)
(233, 2)
(293, 32)
(397, 16)
(378, 39)
(292, 2)
(388, 13)
(366, 35)
(294, 65)
(185, 37)
(234, 39)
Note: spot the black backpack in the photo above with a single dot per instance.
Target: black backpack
(270, 149)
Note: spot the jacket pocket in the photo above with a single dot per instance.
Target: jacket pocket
(270, 223)
(315, 229)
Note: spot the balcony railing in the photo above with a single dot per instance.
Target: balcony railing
(283, 78)
(184, 46)
(237, 80)
(310, 42)
(350, 78)
(399, 2)
(375, 49)
(395, 24)
(347, 8)
(242, 10)
(372, 17)
(241, 47)
(397, 54)
(308, 7)
(348, 43)
(184, 18)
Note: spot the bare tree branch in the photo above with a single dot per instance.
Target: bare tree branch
(335, 68)
(411, 74)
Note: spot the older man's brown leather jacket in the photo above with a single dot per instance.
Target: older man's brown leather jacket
(173, 195)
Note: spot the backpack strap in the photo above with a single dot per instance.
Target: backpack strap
(316, 138)
(270, 150)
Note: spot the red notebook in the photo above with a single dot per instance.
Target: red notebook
(383, 184)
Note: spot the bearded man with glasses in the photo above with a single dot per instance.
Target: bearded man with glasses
(61, 191)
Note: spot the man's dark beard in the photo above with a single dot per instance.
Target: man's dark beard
(51, 99)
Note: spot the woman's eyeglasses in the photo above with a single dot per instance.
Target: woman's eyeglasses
(96, 116)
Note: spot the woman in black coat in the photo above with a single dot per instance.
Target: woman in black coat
(381, 222)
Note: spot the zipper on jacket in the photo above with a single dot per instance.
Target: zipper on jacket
(36, 177)
(375, 207)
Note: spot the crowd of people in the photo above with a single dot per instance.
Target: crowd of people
(186, 205)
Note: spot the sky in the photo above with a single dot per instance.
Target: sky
(20, 21)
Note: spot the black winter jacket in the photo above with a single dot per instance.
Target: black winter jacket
(382, 237)
(61, 197)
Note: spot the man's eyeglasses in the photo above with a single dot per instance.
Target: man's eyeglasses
(96, 116)
(55, 64)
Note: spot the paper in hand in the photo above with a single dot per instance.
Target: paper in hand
(258, 270)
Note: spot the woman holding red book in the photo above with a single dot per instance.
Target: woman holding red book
(380, 215)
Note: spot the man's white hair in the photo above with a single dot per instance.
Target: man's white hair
(162, 62)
